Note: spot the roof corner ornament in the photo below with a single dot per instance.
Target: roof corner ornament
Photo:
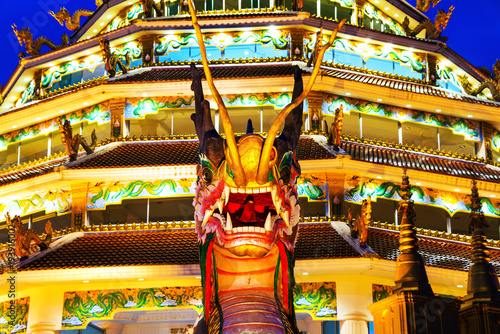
(335, 132)
(72, 22)
(72, 143)
(150, 5)
(24, 238)
(361, 224)
(490, 84)
(33, 48)
(432, 30)
(113, 59)
(425, 5)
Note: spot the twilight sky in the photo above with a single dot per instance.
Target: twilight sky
(473, 30)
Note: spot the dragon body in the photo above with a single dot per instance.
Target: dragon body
(114, 59)
(33, 47)
(425, 5)
(150, 6)
(72, 143)
(247, 212)
(432, 30)
(490, 84)
(24, 238)
(72, 22)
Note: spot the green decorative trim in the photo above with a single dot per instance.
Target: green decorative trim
(98, 113)
(471, 130)
(82, 307)
(317, 299)
(27, 95)
(59, 201)
(277, 38)
(277, 100)
(19, 324)
(314, 192)
(135, 11)
(358, 189)
(380, 292)
(446, 74)
(103, 194)
(367, 51)
(137, 108)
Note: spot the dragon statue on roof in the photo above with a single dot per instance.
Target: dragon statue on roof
(33, 48)
(425, 5)
(150, 6)
(247, 212)
(73, 143)
(24, 238)
(432, 30)
(490, 84)
(72, 22)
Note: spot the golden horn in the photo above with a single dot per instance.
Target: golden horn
(239, 174)
(262, 174)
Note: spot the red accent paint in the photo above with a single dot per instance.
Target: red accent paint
(284, 274)
(247, 289)
(208, 285)
(240, 273)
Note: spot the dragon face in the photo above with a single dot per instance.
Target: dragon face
(249, 208)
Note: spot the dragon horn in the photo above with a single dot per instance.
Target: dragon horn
(239, 174)
(262, 174)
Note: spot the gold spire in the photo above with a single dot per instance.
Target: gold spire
(410, 270)
(482, 277)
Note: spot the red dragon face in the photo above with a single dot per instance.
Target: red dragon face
(250, 206)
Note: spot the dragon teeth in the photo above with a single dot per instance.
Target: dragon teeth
(226, 195)
(208, 214)
(268, 224)
(229, 223)
(286, 217)
(220, 206)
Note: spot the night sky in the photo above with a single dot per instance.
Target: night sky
(473, 30)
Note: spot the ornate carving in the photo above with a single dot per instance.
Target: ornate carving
(432, 30)
(72, 143)
(72, 22)
(150, 5)
(24, 238)
(317, 47)
(425, 5)
(363, 221)
(494, 87)
(33, 48)
(335, 132)
(113, 59)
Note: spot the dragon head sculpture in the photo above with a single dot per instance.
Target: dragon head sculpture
(247, 192)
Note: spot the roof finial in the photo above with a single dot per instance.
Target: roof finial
(410, 270)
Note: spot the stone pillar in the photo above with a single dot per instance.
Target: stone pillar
(148, 49)
(480, 311)
(314, 101)
(43, 328)
(117, 110)
(45, 310)
(79, 211)
(297, 46)
(354, 323)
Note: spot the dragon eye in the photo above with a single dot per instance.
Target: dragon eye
(207, 175)
(286, 174)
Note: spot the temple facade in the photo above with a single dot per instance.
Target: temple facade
(99, 158)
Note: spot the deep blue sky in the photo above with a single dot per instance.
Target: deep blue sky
(473, 30)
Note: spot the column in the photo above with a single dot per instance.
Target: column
(297, 46)
(315, 100)
(38, 84)
(358, 13)
(46, 309)
(336, 195)
(148, 49)
(79, 210)
(117, 110)
(354, 323)
(484, 147)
